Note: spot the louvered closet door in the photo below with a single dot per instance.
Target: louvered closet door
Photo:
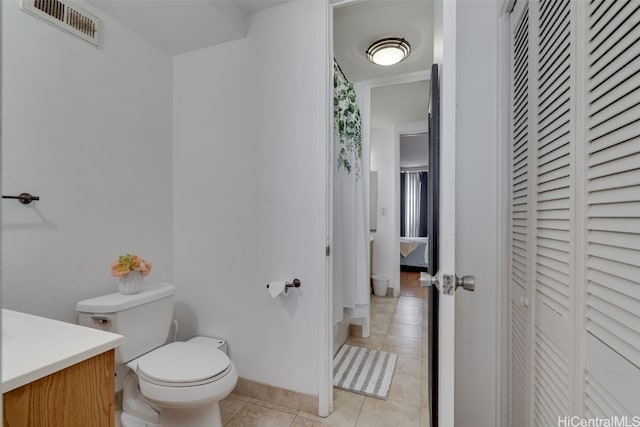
(554, 213)
(612, 298)
(520, 230)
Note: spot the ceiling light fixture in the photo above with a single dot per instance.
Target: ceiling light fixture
(388, 51)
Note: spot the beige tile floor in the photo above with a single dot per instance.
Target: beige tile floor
(398, 325)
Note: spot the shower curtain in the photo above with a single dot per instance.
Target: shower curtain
(350, 233)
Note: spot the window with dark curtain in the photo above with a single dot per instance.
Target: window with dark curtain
(413, 204)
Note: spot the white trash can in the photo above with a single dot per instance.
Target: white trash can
(380, 284)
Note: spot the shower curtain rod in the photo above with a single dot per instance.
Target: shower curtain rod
(340, 69)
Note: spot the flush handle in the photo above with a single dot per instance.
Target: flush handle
(103, 320)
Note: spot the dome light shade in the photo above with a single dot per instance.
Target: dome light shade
(388, 51)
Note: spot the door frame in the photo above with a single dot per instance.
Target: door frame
(326, 315)
(325, 371)
(503, 314)
(421, 127)
(401, 129)
(325, 321)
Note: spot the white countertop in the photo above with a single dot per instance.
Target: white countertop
(34, 347)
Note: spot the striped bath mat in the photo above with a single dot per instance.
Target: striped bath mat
(364, 371)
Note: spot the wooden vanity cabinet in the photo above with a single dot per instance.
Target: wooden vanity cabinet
(81, 395)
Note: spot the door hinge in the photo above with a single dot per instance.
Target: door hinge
(327, 251)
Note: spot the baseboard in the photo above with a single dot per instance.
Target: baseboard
(276, 395)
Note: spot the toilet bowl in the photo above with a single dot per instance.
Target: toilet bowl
(167, 385)
(178, 384)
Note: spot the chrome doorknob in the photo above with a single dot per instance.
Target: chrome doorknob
(434, 280)
(468, 283)
(429, 280)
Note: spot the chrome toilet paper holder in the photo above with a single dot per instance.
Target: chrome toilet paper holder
(295, 284)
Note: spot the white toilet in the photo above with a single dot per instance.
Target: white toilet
(177, 384)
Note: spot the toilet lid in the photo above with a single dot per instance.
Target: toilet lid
(183, 362)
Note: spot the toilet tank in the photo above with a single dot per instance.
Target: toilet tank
(143, 318)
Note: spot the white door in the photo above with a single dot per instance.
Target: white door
(445, 15)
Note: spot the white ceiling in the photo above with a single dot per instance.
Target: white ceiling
(357, 26)
(403, 103)
(252, 6)
(179, 26)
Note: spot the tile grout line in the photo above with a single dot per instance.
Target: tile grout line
(360, 412)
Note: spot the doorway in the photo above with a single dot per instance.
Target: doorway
(393, 103)
(414, 175)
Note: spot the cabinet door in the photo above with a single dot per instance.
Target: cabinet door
(81, 395)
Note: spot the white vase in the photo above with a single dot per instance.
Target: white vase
(131, 283)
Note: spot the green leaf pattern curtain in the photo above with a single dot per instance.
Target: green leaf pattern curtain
(347, 123)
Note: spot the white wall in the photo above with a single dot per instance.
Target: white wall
(383, 158)
(89, 131)
(250, 129)
(476, 212)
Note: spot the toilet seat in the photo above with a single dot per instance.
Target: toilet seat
(183, 364)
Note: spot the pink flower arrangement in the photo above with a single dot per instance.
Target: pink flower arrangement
(127, 263)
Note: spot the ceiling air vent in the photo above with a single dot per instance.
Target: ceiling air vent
(65, 16)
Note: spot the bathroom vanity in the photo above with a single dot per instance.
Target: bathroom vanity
(56, 373)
